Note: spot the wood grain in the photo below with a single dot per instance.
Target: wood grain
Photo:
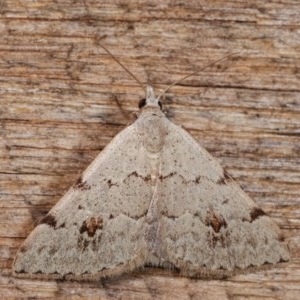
(59, 107)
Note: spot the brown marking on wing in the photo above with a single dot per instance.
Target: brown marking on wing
(255, 213)
(214, 221)
(81, 185)
(91, 225)
(225, 178)
(49, 220)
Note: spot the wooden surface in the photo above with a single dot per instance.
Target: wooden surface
(59, 95)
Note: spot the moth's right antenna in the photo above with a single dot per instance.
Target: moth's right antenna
(196, 72)
(116, 60)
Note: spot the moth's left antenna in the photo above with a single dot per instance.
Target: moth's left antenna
(117, 61)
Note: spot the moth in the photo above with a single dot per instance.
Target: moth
(154, 197)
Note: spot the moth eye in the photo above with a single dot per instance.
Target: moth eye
(142, 103)
(160, 105)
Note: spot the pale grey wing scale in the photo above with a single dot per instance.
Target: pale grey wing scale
(97, 228)
(208, 223)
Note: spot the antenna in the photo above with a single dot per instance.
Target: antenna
(174, 83)
(198, 71)
(116, 60)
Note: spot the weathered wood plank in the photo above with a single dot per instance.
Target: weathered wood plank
(58, 110)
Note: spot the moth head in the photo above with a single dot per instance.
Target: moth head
(150, 99)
